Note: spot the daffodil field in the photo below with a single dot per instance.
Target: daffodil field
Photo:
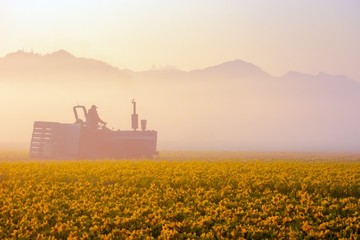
(179, 195)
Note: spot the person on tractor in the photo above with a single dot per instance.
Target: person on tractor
(93, 119)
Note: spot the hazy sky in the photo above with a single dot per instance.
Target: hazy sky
(308, 36)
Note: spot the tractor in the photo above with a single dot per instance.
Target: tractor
(54, 140)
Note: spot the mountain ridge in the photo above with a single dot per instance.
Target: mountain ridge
(231, 69)
(23, 65)
(231, 106)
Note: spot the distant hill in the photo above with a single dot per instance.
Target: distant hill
(231, 106)
(60, 63)
(231, 70)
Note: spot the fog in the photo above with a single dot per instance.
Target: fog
(201, 110)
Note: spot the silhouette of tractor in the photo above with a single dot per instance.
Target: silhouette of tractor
(53, 140)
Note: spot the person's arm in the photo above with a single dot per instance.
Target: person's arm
(99, 120)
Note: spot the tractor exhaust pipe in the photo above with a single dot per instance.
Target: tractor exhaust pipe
(134, 117)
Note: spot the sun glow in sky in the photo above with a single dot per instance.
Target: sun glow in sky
(308, 36)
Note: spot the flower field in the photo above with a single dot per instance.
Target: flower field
(180, 196)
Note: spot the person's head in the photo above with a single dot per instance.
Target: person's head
(93, 107)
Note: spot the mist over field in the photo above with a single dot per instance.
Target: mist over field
(230, 106)
(252, 109)
(224, 75)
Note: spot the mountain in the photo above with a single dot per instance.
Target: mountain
(231, 106)
(60, 63)
(232, 70)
